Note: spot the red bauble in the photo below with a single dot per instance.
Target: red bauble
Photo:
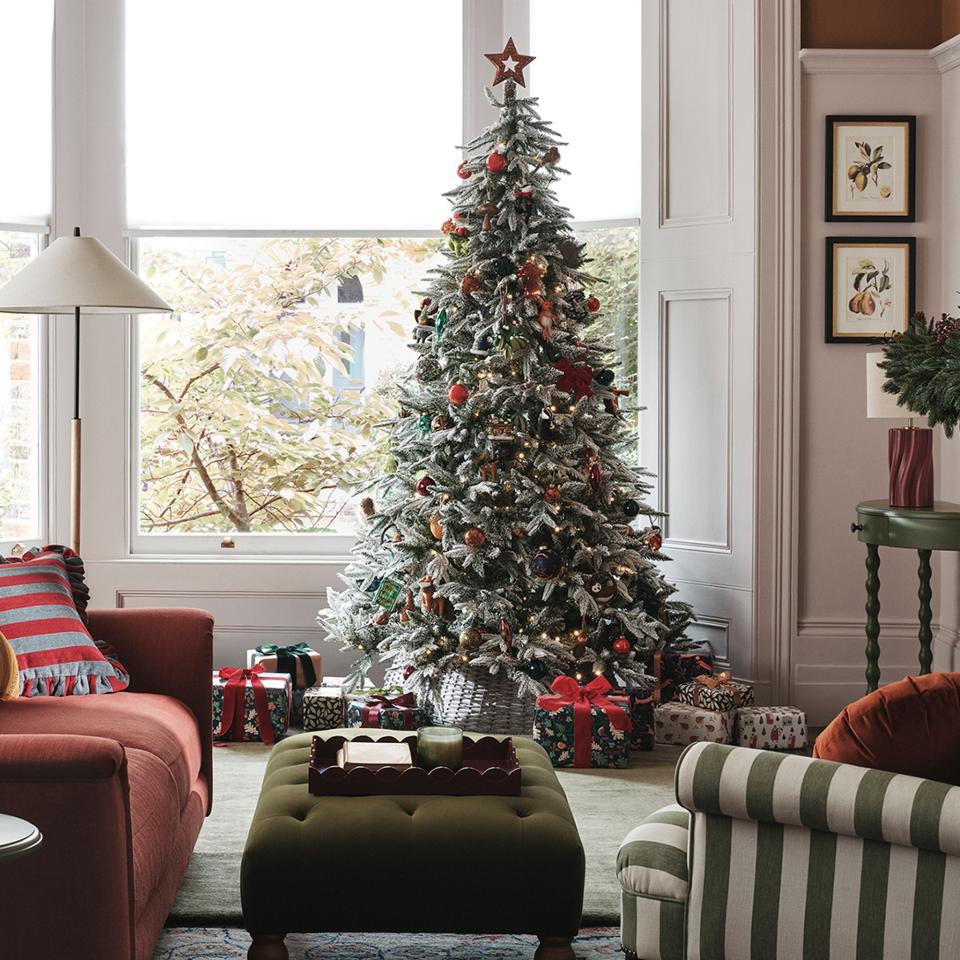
(458, 394)
(592, 305)
(469, 284)
(552, 495)
(462, 171)
(621, 646)
(474, 537)
(462, 231)
(407, 673)
(655, 542)
(424, 485)
(496, 163)
(425, 302)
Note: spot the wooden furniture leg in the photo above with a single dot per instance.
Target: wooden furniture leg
(926, 614)
(554, 948)
(268, 946)
(873, 617)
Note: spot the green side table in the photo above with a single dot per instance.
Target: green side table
(880, 525)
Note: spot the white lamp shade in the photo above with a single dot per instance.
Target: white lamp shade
(78, 272)
(880, 404)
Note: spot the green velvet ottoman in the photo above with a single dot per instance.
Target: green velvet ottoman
(410, 864)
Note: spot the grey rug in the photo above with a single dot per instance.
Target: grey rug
(607, 804)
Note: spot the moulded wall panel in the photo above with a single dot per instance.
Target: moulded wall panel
(696, 112)
(695, 380)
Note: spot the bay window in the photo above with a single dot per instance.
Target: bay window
(284, 194)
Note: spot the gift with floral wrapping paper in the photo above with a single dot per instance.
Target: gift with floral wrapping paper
(583, 726)
(386, 708)
(250, 704)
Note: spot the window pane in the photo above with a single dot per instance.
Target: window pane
(261, 394)
(19, 404)
(25, 115)
(613, 254)
(587, 76)
(292, 114)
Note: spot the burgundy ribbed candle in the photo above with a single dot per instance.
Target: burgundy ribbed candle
(911, 467)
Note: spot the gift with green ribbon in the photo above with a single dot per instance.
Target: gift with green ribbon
(299, 660)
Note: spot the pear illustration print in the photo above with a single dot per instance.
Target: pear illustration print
(872, 286)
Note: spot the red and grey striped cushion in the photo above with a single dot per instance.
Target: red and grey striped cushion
(55, 653)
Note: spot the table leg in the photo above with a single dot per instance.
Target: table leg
(926, 615)
(267, 946)
(873, 621)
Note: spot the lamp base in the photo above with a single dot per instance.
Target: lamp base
(910, 452)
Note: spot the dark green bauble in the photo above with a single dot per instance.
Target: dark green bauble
(547, 564)
(604, 377)
(423, 422)
(503, 267)
(631, 508)
(535, 669)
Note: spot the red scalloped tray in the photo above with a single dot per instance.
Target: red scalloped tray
(490, 769)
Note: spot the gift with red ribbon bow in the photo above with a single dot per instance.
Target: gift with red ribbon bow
(250, 704)
(581, 726)
(379, 711)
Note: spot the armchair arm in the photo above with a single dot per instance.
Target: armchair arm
(74, 789)
(652, 860)
(820, 795)
(168, 651)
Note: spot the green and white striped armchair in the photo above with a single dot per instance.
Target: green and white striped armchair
(777, 857)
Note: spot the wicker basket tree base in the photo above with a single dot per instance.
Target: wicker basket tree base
(483, 702)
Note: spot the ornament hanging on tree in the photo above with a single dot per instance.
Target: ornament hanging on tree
(652, 538)
(471, 638)
(407, 673)
(462, 172)
(367, 509)
(546, 565)
(594, 471)
(506, 632)
(458, 394)
(428, 369)
(441, 323)
(500, 432)
(469, 284)
(592, 305)
(436, 527)
(474, 537)
(441, 422)
(604, 377)
(621, 646)
(546, 319)
(504, 267)
(631, 508)
(425, 485)
(531, 273)
(496, 163)
(601, 589)
(388, 592)
(552, 495)
(576, 379)
(487, 210)
(423, 423)
(523, 199)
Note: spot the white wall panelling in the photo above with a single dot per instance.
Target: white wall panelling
(697, 366)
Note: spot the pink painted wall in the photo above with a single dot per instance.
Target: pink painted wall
(843, 455)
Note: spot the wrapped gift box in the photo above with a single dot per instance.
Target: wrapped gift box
(771, 728)
(276, 691)
(605, 742)
(681, 723)
(719, 692)
(642, 702)
(673, 667)
(293, 659)
(323, 707)
(388, 708)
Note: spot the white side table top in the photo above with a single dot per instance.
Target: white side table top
(17, 837)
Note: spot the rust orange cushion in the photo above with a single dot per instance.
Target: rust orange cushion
(911, 727)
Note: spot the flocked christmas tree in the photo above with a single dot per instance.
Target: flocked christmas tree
(510, 535)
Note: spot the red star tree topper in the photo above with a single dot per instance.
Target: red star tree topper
(509, 63)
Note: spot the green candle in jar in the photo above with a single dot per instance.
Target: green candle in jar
(440, 747)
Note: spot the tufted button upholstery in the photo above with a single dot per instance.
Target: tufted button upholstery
(430, 864)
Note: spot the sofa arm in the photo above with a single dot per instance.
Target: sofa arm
(74, 789)
(168, 651)
(820, 795)
(652, 860)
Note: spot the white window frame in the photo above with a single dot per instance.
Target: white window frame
(45, 446)
(485, 24)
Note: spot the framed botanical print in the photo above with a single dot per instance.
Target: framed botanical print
(871, 287)
(871, 168)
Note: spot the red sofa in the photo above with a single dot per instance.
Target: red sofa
(119, 785)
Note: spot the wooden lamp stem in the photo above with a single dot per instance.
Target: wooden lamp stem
(75, 437)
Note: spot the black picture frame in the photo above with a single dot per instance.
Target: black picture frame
(831, 243)
(830, 182)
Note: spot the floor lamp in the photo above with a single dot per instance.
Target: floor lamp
(73, 274)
